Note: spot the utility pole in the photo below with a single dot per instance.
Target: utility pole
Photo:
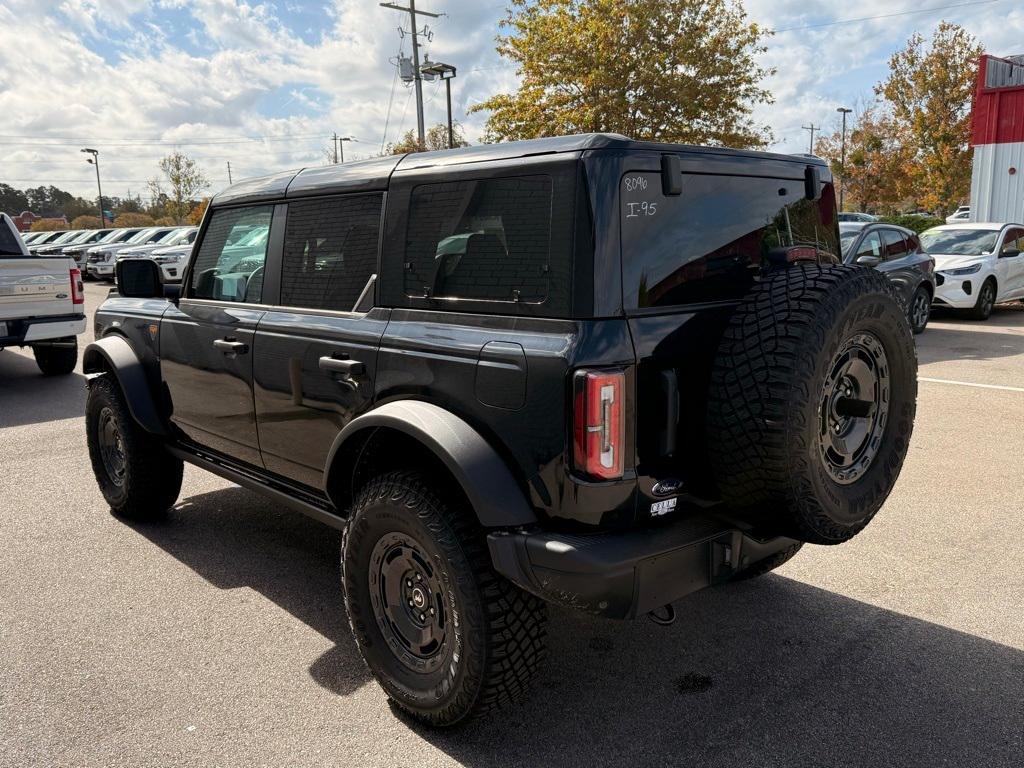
(335, 139)
(812, 128)
(229, 173)
(842, 157)
(417, 76)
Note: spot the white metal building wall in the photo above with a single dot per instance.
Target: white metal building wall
(996, 194)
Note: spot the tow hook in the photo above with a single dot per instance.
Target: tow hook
(664, 616)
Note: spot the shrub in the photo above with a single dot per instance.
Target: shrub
(133, 220)
(86, 222)
(917, 223)
(49, 225)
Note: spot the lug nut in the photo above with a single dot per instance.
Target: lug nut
(408, 582)
(431, 611)
(422, 617)
(418, 577)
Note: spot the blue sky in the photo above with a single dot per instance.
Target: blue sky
(263, 85)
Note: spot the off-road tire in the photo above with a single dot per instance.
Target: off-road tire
(761, 567)
(56, 361)
(495, 631)
(151, 477)
(982, 308)
(766, 416)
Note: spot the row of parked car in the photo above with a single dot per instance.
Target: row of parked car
(96, 251)
(969, 266)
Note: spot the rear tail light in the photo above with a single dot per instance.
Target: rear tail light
(598, 423)
(77, 289)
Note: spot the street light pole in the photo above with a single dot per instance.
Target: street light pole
(95, 160)
(446, 72)
(842, 158)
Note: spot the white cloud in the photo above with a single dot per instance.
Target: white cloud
(117, 71)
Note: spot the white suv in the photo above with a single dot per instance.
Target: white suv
(977, 265)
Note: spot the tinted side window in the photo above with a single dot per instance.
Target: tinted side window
(330, 251)
(871, 245)
(486, 239)
(708, 243)
(895, 244)
(229, 264)
(1014, 241)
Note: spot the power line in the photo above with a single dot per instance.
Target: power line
(886, 15)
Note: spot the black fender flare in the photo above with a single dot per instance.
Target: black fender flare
(115, 354)
(485, 478)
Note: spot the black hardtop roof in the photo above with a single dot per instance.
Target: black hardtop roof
(373, 174)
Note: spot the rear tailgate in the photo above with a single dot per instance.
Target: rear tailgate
(36, 287)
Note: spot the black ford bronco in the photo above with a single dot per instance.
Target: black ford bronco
(581, 370)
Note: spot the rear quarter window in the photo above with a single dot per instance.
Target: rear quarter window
(708, 243)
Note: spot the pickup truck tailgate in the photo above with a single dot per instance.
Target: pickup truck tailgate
(34, 286)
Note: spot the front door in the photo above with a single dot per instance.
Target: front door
(316, 353)
(1010, 266)
(206, 342)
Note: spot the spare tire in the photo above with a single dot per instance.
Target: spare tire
(812, 401)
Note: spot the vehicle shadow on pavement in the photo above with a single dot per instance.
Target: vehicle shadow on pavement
(28, 397)
(234, 538)
(768, 672)
(980, 340)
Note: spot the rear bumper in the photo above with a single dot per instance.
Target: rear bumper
(627, 574)
(42, 329)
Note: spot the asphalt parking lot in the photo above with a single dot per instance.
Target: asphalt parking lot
(219, 638)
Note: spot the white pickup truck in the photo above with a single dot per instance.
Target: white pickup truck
(42, 303)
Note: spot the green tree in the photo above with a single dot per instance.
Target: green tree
(436, 137)
(662, 70)
(12, 201)
(929, 90)
(184, 179)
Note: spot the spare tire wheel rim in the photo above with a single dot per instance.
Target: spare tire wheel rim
(854, 408)
(407, 595)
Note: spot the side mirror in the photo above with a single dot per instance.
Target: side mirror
(139, 279)
(1009, 254)
(867, 261)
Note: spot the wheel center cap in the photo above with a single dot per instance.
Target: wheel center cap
(418, 598)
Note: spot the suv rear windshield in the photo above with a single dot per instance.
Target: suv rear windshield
(708, 243)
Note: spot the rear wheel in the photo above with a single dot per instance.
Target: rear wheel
(57, 361)
(445, 636)
(137, 476)
(986, 301)
(920, 309)
(812, 402)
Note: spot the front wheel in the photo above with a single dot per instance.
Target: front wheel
(446, 637)
(57, 360)
(138, 478)
(986, 301)
(920, 310)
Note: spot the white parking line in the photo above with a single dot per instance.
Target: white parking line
(971, 384)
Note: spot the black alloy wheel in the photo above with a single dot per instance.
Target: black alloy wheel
(854, 408)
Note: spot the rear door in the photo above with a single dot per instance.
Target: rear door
(316, 353)
(898, 264)
(206, 341)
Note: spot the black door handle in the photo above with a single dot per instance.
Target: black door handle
(347, 368)
(230, 346)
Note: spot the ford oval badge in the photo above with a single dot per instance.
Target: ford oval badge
(667, 487)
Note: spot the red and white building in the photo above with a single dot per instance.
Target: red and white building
(997, 135)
